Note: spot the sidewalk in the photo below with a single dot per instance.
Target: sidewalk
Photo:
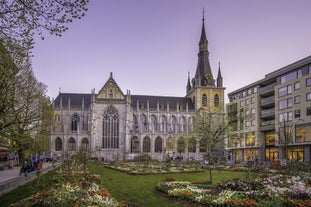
(10, 178)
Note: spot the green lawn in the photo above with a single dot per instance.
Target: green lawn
(139, 189)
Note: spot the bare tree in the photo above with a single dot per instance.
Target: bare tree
(210, 129)
(21, 19)
(285, 133)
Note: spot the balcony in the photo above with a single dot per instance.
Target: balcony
(267, 125)
(267, 102)
(267, 114)
(267, 90)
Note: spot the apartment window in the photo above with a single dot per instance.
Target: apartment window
(255, 90)
(247, 124)
(308, 82)
(299, 73)
(308, 111)
(297, 113)
(253, 122)
(249, 91)
(284, 104)
(287, 116)
(244, 93)
(247, 102)
(242, 103)
(297, 99)
(253, 100)
(308, 96)
(297, 86)
(291, 76)
(285, 90)
(309, 69)
(246, 112)
(253, 111)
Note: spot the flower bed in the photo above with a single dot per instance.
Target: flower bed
(73, 186)
(274, 190)
(154, 168)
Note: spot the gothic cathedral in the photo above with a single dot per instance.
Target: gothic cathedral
(111, 125)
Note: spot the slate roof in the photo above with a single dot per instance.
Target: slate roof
(162, 100)
(75, 100)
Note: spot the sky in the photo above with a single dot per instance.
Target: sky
(151, 45)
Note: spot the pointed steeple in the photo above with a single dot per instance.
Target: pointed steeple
(219, 77)
(203, 75)
(203, 34)
(188, 83)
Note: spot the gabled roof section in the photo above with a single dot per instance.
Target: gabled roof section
(163, 101)
(73, 100)
(110, 90)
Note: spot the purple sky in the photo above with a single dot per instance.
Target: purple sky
(151, 45)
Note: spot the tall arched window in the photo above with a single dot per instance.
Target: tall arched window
(146, 144)
(163, 124)
(216, 100)
(158, 145)
(174, 124)
(74, 123)
(154, 123)
(144, 123)
(111, 128)
(204, 100)
(58, 144)
(182, 123)
(71, 144)
(85, 144)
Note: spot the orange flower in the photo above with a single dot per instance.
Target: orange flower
(103, 193)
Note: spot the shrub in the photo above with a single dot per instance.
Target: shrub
(144, 158)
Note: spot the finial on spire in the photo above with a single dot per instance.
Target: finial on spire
(110, 74)
(203, 14)
(219, 64)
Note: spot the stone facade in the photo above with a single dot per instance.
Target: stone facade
(112, 125)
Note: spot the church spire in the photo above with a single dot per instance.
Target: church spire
(188, 83)
(203, 75)
(203, 34)
(219, 77)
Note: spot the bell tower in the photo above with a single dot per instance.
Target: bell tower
(202, 90)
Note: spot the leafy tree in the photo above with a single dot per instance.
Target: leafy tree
(210, 129)
(8, 71)
(181, 145)
(29, 108)
(42, 130)
(21, 19)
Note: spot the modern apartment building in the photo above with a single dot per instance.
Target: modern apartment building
(271, 118)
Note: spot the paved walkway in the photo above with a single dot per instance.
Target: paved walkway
(10, 178)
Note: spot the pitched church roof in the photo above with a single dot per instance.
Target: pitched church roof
(74, 100)
(163, 101)
(77, 100)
